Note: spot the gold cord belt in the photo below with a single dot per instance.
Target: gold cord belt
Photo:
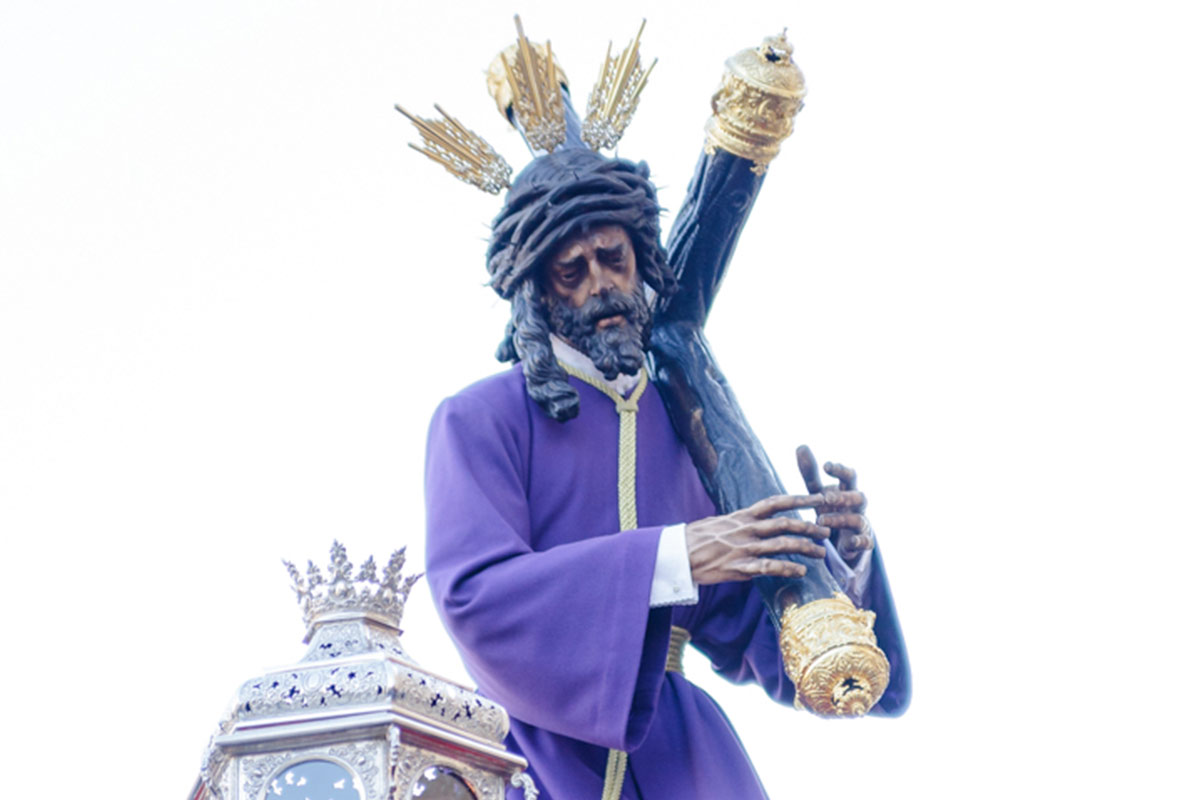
(679, 637)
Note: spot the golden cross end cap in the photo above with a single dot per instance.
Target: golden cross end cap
(830, 654)
(760, 94)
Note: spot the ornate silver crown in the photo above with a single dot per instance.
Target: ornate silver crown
(356, 703)
(346, 594)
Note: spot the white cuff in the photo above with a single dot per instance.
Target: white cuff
(672, 584)
(854, 582)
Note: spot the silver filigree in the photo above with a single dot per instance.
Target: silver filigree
(522, 781)
(394, 756)
(256, 770)
(367, 682)
(353, 637)
(363, 758)
(413, 762)
(360, 758)
(344, 592)
(354, 699)
(315, 689)
(457, 706)
(212, 766)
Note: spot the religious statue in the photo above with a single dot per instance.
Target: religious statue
(604, 501)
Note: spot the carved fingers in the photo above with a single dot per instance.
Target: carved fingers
(782, 502)
(776, 567)
(841, 507)
(836, 500)
(847, 478)
(780, 545)
(779, 527)
(744, 544)
(807, 463)
(854, 534)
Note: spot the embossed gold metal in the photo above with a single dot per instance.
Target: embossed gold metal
(760, 94)
(524, 79)
(615, 96)
(830, 653)
(463, 153)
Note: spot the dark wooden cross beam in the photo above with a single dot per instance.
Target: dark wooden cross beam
(731, 461)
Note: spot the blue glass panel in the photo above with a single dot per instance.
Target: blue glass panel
(439, 783)
(313, 780)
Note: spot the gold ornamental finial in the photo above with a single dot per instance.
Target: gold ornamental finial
(831, 654)
(462, 152)
(525, 79)
(760, 94)
(615, 95)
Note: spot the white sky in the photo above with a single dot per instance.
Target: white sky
(231, 297)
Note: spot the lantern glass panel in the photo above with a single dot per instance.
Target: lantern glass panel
(439, 783)
(317, 779)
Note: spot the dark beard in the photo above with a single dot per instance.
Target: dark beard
(615, 349)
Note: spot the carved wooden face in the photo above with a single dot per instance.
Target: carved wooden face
(587, 264)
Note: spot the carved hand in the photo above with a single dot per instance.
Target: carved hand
(737, 546)
(842, 507)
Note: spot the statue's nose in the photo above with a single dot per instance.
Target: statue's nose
(600, 278)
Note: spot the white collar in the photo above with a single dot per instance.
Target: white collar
(623, 384)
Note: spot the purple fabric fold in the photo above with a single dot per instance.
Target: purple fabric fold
(548, 601)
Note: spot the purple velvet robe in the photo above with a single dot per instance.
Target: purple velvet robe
(548, 601)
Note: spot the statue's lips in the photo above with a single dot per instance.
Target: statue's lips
(608, 322)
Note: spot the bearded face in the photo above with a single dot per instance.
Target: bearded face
(596, 300)
(610, 328)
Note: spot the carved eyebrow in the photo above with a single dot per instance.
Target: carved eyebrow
(615, 251)
(570, 263)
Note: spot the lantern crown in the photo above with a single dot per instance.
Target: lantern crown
(346, 594)
(356, 713)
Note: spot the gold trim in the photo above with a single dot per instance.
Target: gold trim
(830, 653)
(615, 96)
(760, 94)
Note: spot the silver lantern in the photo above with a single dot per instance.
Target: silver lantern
(356, 718)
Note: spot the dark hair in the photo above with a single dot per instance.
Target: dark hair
(558, 196)
(527, 338)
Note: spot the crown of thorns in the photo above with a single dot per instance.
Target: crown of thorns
(568, 188)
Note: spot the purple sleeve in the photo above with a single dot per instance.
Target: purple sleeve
(563, 637)
(731, 625)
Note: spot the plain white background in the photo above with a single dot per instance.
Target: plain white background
(231, 297)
